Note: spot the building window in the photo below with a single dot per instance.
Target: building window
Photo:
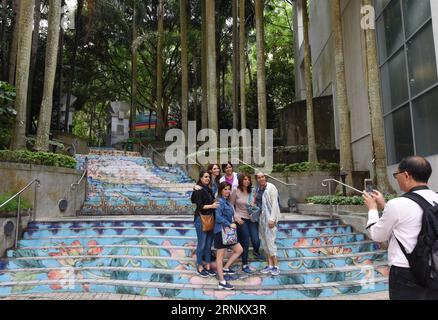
(409, 77)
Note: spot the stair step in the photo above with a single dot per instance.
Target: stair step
(173, 260)
(202, 290)
(181, 275)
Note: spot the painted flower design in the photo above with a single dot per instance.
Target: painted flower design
(301, 243)
(327, 248)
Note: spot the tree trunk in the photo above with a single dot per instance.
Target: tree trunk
(13, 49)
(42, 139)
(376, 115)
(78, 19)
(311, 142)
(184, 68)
(235, 66)
(160, 113)
(261, 74)
(3, 41)
(22, 75)
(33, 60)
(204, 105)
(242, 46)
(59, 79)
(346, 159)
(211, 65)
(133, 74)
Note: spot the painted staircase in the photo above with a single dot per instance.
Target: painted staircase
(124, 183)
(155, 257)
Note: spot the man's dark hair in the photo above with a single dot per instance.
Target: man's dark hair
(418, 167)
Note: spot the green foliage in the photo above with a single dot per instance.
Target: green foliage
(7, 97)
(307, 166)
(13, 205)
(279, 167)
(341, 200)
(245, 168)
(40, 158)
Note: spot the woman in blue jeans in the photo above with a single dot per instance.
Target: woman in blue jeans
(205, 204)
(247, 224)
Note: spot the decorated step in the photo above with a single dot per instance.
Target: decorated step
(292, 232)
(249, 289)
(188, 276)
(187, 250)
(151, 258)
(284, 241)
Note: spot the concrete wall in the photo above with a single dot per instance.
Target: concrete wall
(307, 184)
(55, 185)
(7, 241)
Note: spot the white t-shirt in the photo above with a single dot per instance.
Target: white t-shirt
(401, 217)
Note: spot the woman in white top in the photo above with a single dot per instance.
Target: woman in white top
(247, 223)
(229, 175)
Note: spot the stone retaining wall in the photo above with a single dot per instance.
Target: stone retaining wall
(55, 185)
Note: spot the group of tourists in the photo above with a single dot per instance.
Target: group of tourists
(230, 213)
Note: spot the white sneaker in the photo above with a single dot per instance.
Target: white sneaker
(275, 271)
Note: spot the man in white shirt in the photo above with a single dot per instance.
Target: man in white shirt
(402, 220)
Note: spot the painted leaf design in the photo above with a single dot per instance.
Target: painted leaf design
(23, 276)
(153, 252)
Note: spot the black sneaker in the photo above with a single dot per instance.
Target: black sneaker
(225, 286)
(203, 273)
(211, 273)
(229, 271)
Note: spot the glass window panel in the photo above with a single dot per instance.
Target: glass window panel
(398, 129)
(425, 115)
(422, 60)
(394, 82)
(415, 13)
(379, 5)
(390, 30)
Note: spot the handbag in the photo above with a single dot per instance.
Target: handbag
(207, 222)
(253, 210)
(229, 236)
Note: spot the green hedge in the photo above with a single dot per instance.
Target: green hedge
(341, 200)
(41, 158)
(245, 168)
(305, 167)
(12, 206)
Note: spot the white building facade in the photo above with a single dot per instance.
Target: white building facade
(407, 41)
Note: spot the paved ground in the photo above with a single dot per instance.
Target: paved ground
(110, 296)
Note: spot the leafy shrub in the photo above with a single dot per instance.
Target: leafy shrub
(13, 205)
(279, 167)
(245, 168)
(341, 200)
(308, 166)
(40, 158)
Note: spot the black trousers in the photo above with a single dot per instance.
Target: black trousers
(402, 286)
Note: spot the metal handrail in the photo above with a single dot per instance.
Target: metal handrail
(271, 177)
(18, 194)
(325, 184)
(73, 186)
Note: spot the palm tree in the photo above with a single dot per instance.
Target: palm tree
(42, 139)
(376, 115)
(311, 142)
(242, 46)
(346, 161)
(133, 71)
(14, 42)
(261, 74)
(211, 65)
(235, 66)
(22, 75)
(184, 68)
(204, 105)
(160, 111)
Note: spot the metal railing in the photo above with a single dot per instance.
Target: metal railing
(74, 188)
(326, 183)
(35, 201)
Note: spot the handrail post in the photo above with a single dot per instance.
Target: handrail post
(17, 223)
(35, 200)
(331, 200)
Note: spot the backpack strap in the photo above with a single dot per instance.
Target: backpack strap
(423, 203)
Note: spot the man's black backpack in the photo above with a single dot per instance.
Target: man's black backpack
(423, 260)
